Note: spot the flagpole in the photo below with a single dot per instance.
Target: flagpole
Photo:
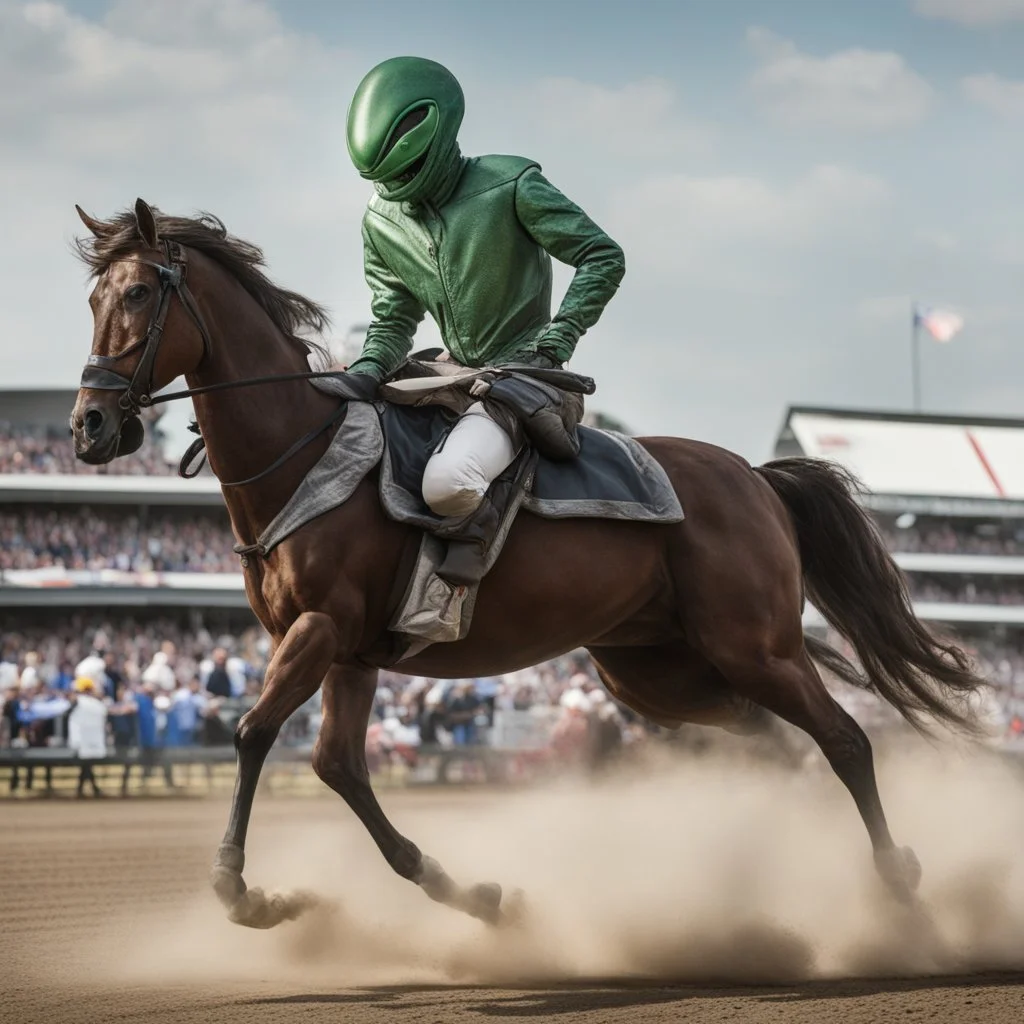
(915, 356)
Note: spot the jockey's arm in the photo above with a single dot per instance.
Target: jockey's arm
(396, 315)
(561, 228)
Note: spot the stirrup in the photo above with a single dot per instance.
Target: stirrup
(464, 563)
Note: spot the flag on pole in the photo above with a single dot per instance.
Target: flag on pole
(941, 324)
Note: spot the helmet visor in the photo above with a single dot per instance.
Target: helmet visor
(407, 143)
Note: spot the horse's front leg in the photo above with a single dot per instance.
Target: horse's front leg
(340, 760)
(296, 670)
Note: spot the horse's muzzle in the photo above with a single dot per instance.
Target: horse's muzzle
(101, 438)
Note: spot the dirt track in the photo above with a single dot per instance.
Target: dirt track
(105, 917)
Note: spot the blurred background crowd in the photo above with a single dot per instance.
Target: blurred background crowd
(164, 686)
(113, 538)
(25, 449)
(952, 538)
(173, 540)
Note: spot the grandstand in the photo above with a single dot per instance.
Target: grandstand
(947, 493)
(77, 536)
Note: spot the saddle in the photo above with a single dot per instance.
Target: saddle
(538, 409)
(542, 407)
(573, 471)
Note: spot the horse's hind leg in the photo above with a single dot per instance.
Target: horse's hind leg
(789, 686)
(671, 683)
(339, 759)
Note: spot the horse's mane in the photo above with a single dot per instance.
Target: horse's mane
(290, 312)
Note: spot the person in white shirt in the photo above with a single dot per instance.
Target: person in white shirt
(87, 731)
(160, 673)
(95, 668)
(30, 673)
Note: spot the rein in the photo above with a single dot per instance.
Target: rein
(198, 446)
(137, 389)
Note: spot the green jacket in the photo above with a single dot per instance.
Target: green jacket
(480, 264)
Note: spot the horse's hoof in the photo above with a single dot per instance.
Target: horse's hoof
(484, 901)
(912, 866)
(513, 909)
(900, 870)
(257, 910)
(226, 874)
(228, 885)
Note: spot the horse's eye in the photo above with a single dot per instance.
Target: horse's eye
(137, 293)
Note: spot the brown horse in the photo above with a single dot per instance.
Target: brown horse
(694, 622)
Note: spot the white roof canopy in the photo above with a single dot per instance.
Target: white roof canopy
(907, 456)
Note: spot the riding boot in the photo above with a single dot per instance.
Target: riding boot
(470, 538)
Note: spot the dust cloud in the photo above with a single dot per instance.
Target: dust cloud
(714, 869)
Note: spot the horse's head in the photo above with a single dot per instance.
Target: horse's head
(142, 340)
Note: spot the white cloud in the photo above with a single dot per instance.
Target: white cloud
(220, 107)
(735, 227)
(639, 120)
(854, 89)
(221, 80)
(1003, 95)
(972, 13)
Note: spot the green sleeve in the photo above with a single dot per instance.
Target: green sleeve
(570, 236)
(396, 315)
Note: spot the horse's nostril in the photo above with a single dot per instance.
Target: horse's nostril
(93, 423)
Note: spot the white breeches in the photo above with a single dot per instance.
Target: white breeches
(471, 457)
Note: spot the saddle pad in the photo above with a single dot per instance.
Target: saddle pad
(614, 476)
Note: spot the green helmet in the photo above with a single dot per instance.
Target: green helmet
(402, 128)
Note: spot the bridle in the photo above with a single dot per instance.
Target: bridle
(137, 390)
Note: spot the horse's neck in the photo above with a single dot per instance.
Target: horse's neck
(247, 429)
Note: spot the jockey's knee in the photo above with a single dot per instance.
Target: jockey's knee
(448, 491)
(457, 476)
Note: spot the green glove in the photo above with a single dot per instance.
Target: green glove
(539, 359)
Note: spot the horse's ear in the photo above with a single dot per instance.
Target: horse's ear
(94, 225)
(146, 223)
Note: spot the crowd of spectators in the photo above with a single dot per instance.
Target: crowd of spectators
(115, 538)
(108, 537)
(26, 449)
(994, 590)
(159, 686)
(163, 686)
(559, 706)
(997, 658)
(84, 538)
(936, 536)
(104, 688)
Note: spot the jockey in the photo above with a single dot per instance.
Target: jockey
(470, 241)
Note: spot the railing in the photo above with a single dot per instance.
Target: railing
(198, 770)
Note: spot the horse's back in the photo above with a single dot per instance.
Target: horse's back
(734, 520)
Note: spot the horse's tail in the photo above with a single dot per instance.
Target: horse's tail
(851, 579)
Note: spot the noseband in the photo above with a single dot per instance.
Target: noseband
(137, 390)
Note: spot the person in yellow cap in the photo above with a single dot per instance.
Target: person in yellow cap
(87, 730)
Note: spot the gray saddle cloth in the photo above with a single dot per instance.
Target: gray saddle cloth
(614, 476)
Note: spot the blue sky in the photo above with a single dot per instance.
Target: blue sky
(784, 176)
